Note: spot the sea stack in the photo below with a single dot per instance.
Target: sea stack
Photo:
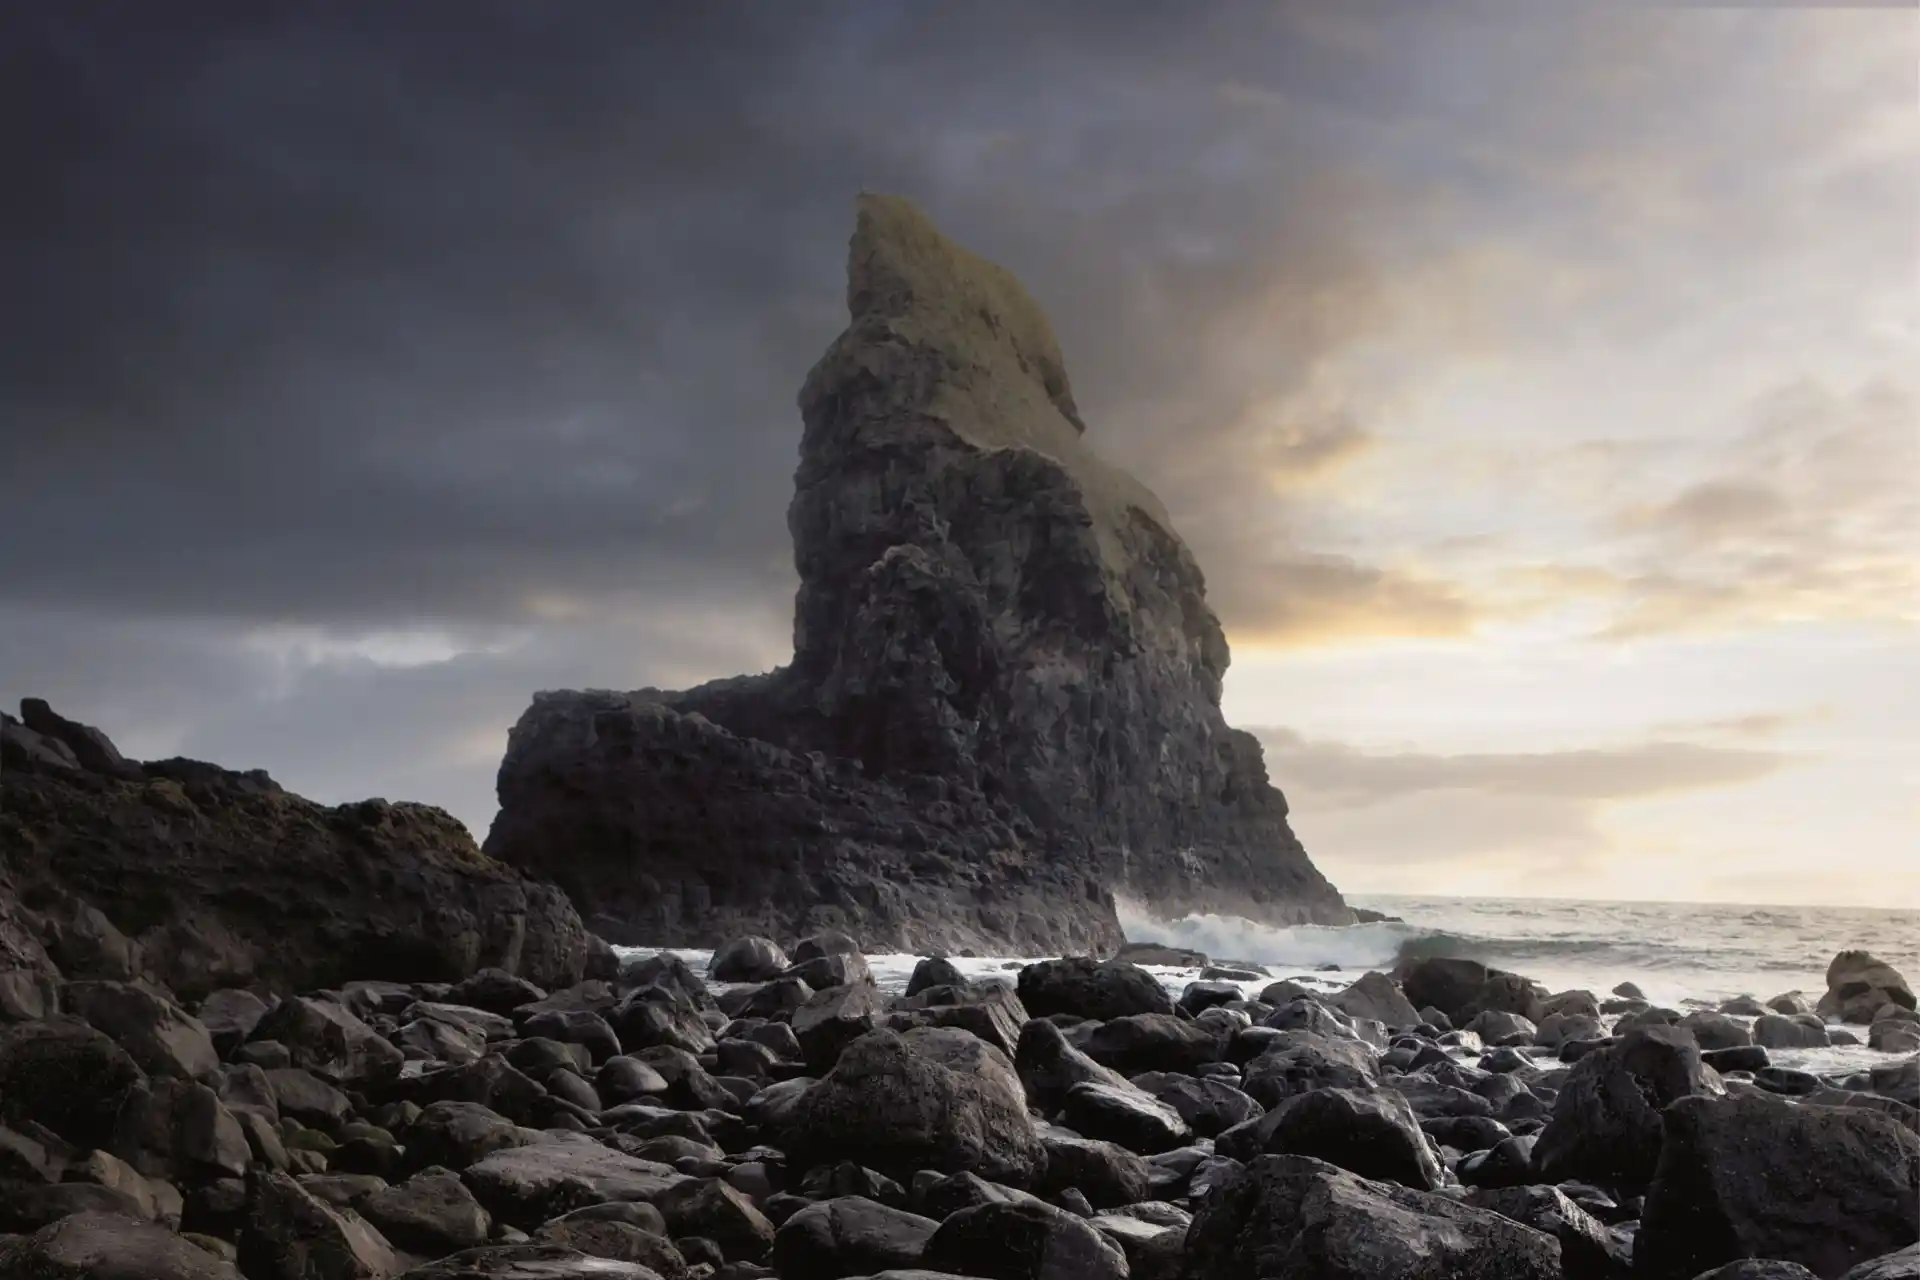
(1003, 707)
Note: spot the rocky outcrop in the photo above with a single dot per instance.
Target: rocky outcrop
(1004, 701)
(225, 879)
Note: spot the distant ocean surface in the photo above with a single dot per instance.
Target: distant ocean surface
(1681, 954)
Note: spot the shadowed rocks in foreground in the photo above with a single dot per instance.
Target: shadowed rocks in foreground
(206, 878)
(1004, 702)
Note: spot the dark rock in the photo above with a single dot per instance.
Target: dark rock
(839, 970)
(713, 1210)
(1757, 1177)
(62, 1073)
(453, 1135)
(307, 1098)
(291, 1235)
(1161, 954)
(1107, 1174)
(1859, 986)
(1153, 1042)
(1298, 1062)
(495, 991)
(934, 971)
(849, 1236)
(934, 1098)
(1902, 1264)
(230, 1016)
(991, 1011)
(529, 1261)
(1023, 1241)
(1374, 995)
(1201, 996)
(1006, 678)
(178, 1130)
(431, 1213)
(1124, 1115)
(1606, 1119)
(1745, 1057)
(108, 1246)
(1508, 1163)
(625, 1079)
(527, 1185)
(575, 1026)
(1049, 1066)
(224, 879)
(1758, 1269)
(1092, 989)
(660, 1015)
(323, 1037)
(1500, 1028)
(83, 942)
(1716, 1030)
(1369, 1132)
(491, 1082)
(748, 959)
(831, 1020)
(617, 1241)
(1296, 1218)
(1588, 1249)
(1209, 1106)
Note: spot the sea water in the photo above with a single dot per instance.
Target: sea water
(1681, 954)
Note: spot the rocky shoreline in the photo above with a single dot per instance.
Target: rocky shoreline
(781, 1116)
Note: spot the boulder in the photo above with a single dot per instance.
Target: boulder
(934, 971)
(1858, 985)
(290, 1235)
(1297, 1218)
(225, 879)
(1374, 995)
(324, 1037)
(991, 1011)
(1088, 988)
(179, 1130)
(1716, 1030)
(1589, 1249)
(1028, 1240)
(1153, 1042)
(1107, 1174)
(1775, 1031)
(832, 1019)
(657, 1015)
(1209, 1105)
(713, 1210)
(530, 1261)
(455, 1134)
(575, 1026)
(935, 1098)
(63, 1074)
(1369, 1132)
(96, 1245)
(849, 1236)
(1049, 1066)
(524, 1186)
(432, 1213)
(1125, 1116)
(1004, 699)
(1298, 1062)
(628, 1239)
(1606, 1125)
(230, 1016)
(1901, 1264)
(1496, 1027)
(1759, 1177)
(748, 959)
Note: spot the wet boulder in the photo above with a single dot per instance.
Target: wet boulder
(96, 1245)
(1023, 1241)
(1297, 1218)
(849, 1236)
(749, 959)
(1606, 1126)
(62, 1073)
(1298, 1062)
(932, 1098)
(1372, 1133)
(1049, 1066)
(1759, 1177)
(1087, 988)
(1859, 985)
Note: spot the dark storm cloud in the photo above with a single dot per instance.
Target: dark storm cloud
(364, 314)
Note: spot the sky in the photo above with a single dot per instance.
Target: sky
(1538, 386)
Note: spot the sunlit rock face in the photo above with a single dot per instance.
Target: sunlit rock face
(1004, 702)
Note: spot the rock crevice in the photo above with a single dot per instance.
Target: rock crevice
(1004, 701)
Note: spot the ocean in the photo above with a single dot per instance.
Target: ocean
(1681, 954)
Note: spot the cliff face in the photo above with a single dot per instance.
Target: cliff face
(1004, 703)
